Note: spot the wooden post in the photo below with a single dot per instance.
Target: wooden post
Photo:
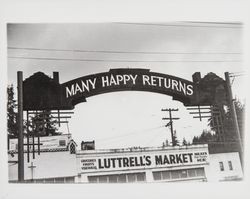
(170, 118)
(20, 127)
(32, 167)
(171, 127)
(233, 113)
(28, 138)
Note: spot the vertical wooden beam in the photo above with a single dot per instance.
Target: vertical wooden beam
(56, 77)
(38, 142)
(59, 121)
(28, 138)
(8, 142)
(20, 127)
(171, 127)
(233, 113)
(33, 145)
(199, 112)
(171, 122)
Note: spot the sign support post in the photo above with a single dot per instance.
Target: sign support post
(20, 127)
(233, 112)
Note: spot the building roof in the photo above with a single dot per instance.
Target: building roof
(142, 149)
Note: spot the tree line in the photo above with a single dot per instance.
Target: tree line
(212, 136)
(39, 124)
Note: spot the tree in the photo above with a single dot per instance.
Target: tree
(175, 142)
(205, 138)
(240, 112)
(165, 144)
(229, 131)
(43, 124)
(184, 142)
(11, 113)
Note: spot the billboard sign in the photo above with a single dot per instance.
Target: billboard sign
(143, 160)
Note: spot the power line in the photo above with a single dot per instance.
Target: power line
(131, 133)
(179, 25)
(114, 52)
(106, 60)
(237, 74)
(153, 139)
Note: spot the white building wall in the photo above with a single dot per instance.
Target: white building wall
(200, 153)
(47, 165)
(213, 169)
(149, 175)
(63, 164)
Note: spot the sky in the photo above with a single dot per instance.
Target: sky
(128, 118)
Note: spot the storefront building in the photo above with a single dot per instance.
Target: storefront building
(143, 164)
(60, 162)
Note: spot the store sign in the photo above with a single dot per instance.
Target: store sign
(50, 142)
(160, 159)
(127, 80)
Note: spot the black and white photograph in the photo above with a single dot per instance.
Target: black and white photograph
(125, 102)
(124, 106)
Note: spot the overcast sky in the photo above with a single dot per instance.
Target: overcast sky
(124, 119)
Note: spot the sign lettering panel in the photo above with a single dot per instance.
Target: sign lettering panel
(144, 160)
(127, 80)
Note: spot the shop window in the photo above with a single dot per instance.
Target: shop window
(131, 177)
(122, 178)
(50, 180)
(175, 174)
(93, 179)
(200, 172)
(166, 175)
(103, 179)
(191, 173)
(59, 180)
(70, 179)
(62, 142)
(39, 181)
(179, 174)
(183, 173)
(157, 175)
(141, 177)
(113, 179)
(221, 166)
(53, 180)
(230, 165)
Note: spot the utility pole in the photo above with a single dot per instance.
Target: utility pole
(20, 127)
(200, 111)
(213, 112)
(233, 111)
(170, 118)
